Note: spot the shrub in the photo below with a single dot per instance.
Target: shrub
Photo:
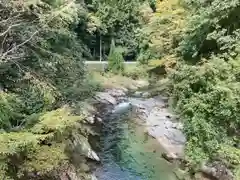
(136, 72)
(208, 98)
(43, 147)
(213, 27)
(11, 111)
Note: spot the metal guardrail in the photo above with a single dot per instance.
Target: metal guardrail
(105, 62)
(101, 65)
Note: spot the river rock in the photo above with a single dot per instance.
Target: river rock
(90, 119)
(105, 98)
(99, 119)
(161, 124)
(80, 146)
(93, 177)
(170, 157)
(83, 167)
(217, 170)
(122, 107)
(92, 155)
(142, 83)
(146, 95)
(178, 126)
(116, 92)
(137, 94)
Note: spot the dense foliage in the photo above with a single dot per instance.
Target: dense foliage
(43, 46)
(200, 37)
(113, 19)
(213, 29)
(41, 69)
(204, 86)
(207, 97)
(41, 57)
(161, 35)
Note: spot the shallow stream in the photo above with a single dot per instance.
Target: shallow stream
(128, 153)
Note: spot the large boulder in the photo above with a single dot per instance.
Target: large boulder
(217, 170)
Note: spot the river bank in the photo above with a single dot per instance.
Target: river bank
(160, 123)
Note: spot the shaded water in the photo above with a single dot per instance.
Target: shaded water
(129, 154)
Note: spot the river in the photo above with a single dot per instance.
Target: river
(128, 153)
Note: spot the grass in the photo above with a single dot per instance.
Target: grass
(133, 78)
(108, 80)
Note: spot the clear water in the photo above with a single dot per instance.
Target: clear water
(129, 154)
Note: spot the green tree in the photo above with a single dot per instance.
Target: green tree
(213, 28)
(207, 98)
(113, 19)
(115, 59)
(42, 76)
(41, 57)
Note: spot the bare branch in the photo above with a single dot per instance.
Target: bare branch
(19, 45)
(3, 42)
(9, 28)
(11, 17)
(43, 49)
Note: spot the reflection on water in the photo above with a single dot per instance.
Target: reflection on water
(129, 154)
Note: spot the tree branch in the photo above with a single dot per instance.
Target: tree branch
(3, 42)
(9, 28)
(11, 17)
(19, 45)
(54, 14)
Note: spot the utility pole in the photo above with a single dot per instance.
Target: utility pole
(100, 47)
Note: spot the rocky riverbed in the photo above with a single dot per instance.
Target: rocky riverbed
(154, 115)
(126, 152)
(159, 122)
